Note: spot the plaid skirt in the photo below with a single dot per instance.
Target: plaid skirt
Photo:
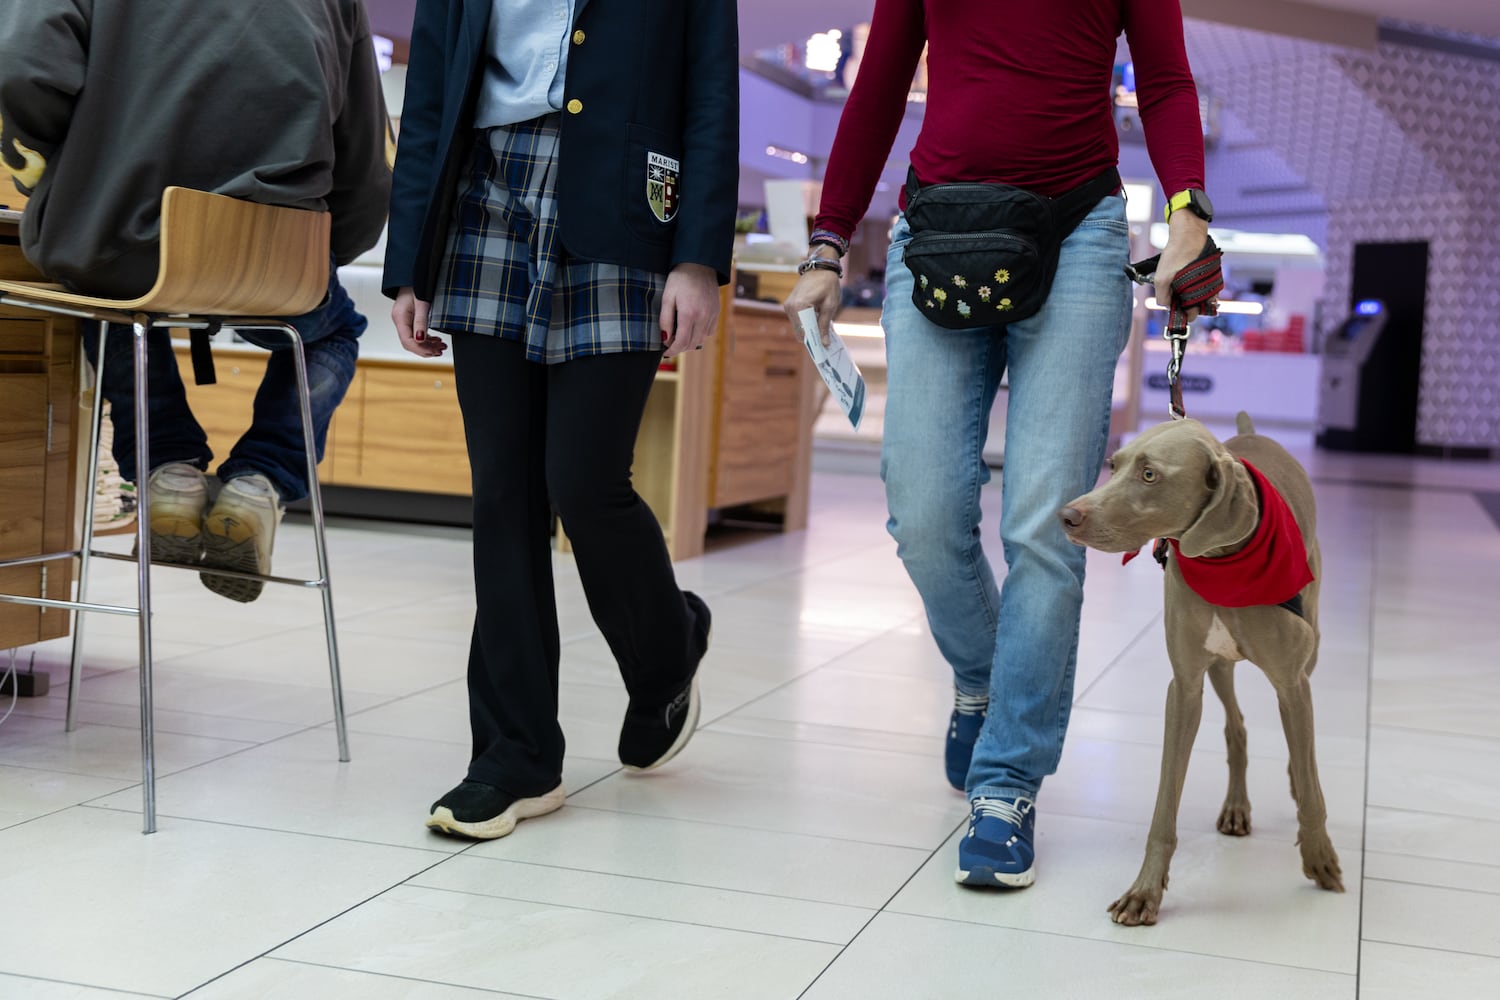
(505, 272)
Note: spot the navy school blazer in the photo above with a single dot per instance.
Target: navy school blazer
(650, 84)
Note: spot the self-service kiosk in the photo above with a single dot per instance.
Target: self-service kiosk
(1372, 362)
(1342, 387)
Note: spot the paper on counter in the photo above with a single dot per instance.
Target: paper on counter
(835, 365)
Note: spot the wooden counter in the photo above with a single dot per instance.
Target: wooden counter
(727, 427)
(38, 410)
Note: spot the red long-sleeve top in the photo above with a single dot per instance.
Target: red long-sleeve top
(1017, 93)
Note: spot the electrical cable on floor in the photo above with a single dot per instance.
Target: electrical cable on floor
(15, 687)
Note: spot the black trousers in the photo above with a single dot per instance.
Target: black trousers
(544, 437)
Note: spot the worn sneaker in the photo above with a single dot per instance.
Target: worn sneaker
(177, 493)
(238, 532)
(484, 812)
(654, 734)
(963, 732)
(998, 848)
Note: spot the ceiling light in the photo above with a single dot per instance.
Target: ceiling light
(786, 154)
(824, 50)
(1225, 308)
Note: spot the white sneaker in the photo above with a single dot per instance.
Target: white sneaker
(177, 494)
(238, 533)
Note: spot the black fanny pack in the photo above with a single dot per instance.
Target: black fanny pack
(985, 254)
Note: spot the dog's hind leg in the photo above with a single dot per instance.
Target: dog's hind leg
(1234, 818)
(1319, 860)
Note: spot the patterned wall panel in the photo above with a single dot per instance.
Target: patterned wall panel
(1404, 144)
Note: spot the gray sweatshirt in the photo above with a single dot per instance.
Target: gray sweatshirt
(105, 103)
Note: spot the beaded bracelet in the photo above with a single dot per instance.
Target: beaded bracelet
(816, 263)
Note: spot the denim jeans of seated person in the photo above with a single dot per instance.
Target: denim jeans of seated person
(273, 445)
(1016, 643)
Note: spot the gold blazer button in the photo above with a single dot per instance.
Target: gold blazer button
(578, 38)
(575, 106)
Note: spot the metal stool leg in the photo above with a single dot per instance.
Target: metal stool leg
(315, 500)
(142, 325)
(86, 544)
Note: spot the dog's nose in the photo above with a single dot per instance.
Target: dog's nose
(1071, 518)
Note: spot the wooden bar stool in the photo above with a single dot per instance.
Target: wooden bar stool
(224, 261)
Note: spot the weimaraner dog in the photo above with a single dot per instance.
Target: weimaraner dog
(1177, 482)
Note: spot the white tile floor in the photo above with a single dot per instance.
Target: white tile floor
(803, 844)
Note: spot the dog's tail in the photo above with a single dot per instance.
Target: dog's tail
(1242, 423)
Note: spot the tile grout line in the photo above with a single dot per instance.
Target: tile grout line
(805, 674)
(87, 986)
(633, 916)
(1137, 942)
(266, 829)
(884, 907)
(1372, 612)
(1433, 812)
(1444, 951)
(402, 979)
(1419, 730)
(657, 881)
(323, 923)
(1437, 888)
(748, 829)
(1116, 661)
(1485, 865)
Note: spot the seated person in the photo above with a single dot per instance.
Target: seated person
(277, 102)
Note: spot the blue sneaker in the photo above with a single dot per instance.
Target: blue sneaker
(963, 733)
(998, 849)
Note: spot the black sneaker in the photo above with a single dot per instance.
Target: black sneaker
(484, 812)
(654, 734)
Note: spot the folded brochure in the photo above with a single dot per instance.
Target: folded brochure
(835, 365)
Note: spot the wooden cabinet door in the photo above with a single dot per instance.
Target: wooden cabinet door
(59, 530)
(23, 499)
(411, 433)
(225, 409)
(759, 409)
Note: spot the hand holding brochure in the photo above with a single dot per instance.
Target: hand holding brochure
(838, 369)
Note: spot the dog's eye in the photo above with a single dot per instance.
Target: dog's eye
(1148, 474)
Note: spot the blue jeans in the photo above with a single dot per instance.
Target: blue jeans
(273, 445)
(1017, 642)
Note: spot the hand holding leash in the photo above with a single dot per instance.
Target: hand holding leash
(1195, 287)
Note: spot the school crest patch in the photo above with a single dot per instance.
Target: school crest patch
(661, 185)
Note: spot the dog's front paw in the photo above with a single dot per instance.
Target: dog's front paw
(1320, 862)
(1138, 906)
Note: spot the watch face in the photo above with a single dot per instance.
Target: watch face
(1199, 203)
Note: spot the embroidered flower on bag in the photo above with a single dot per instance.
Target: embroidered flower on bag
(941, 295)
(1002, 276)
(959, 281)
(963, 308)
(930, 305)
(984, 293)
(923, 278)
(1003, 305)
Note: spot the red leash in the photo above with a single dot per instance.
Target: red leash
(1196, 286)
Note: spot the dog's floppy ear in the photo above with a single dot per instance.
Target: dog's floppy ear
(1232, 511)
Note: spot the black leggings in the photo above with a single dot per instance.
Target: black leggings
(544, 437)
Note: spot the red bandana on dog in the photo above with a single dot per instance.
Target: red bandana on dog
(1270, 569)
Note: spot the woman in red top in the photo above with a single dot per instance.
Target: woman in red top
(1018, 94)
